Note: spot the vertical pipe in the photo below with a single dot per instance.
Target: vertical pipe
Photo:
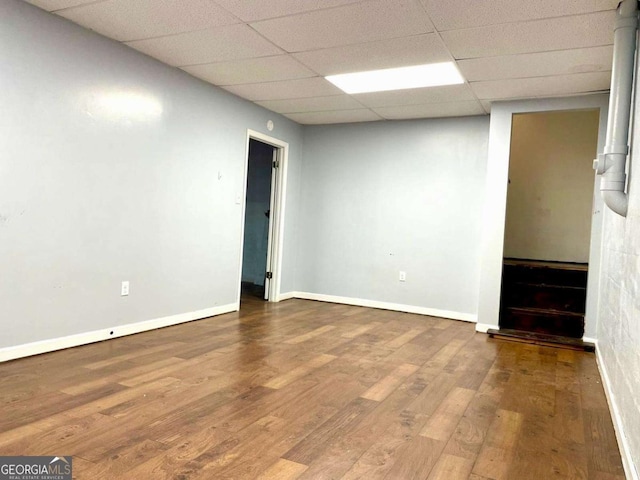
(611, 164)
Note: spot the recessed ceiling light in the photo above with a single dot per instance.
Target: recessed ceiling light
(418, 76)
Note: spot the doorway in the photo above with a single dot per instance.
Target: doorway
(263, 218)
(548, 222)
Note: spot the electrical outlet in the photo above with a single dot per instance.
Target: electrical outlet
(124, 289)
(403, 276)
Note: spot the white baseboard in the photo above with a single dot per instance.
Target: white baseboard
(359, 302)
(286, 296)
(51, 345)
(484, 327)
(630, 469)
(589, 340)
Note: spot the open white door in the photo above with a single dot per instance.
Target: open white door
(275, 214)
(272, 215)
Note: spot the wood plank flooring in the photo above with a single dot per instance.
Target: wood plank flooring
(307, 390)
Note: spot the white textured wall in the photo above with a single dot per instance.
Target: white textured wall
(619, 313)
(378, 198)
(91, 196)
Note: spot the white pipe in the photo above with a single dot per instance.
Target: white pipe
(611, 163)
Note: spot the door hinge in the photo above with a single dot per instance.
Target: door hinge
(269, 275)
(276, 164)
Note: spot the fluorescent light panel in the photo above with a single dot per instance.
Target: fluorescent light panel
(417, 76)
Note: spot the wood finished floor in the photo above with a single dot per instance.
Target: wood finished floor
(304, 389)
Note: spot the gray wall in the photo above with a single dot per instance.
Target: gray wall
(378, 198)
(619, 308)
(90, 196)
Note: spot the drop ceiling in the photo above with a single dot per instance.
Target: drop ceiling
(275, 53)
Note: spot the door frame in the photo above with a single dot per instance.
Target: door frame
(278, 197)
(495, 202)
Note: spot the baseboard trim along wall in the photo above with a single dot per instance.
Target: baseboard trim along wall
(359, 302)
(625, 452)
(51, 345)
(286, 296)
(484, 327)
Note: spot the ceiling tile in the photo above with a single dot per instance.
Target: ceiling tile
(451, 93)
(563, 33)
(542, 86)
(252, 10)
(134, 20)
(506, 49)
(287, 89)
(342, 116)
(53, 5)
(397, 52)
(431, 110)
(252, 70)
(457, 14)
(232, 42)
(542, 64)
(313, 104)
(361, 22)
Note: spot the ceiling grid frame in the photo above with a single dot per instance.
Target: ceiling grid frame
(505, 49)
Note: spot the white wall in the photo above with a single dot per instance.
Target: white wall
(495, 201)
(90, 197)
(378, 198)
(550, 192)
(619, 320)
